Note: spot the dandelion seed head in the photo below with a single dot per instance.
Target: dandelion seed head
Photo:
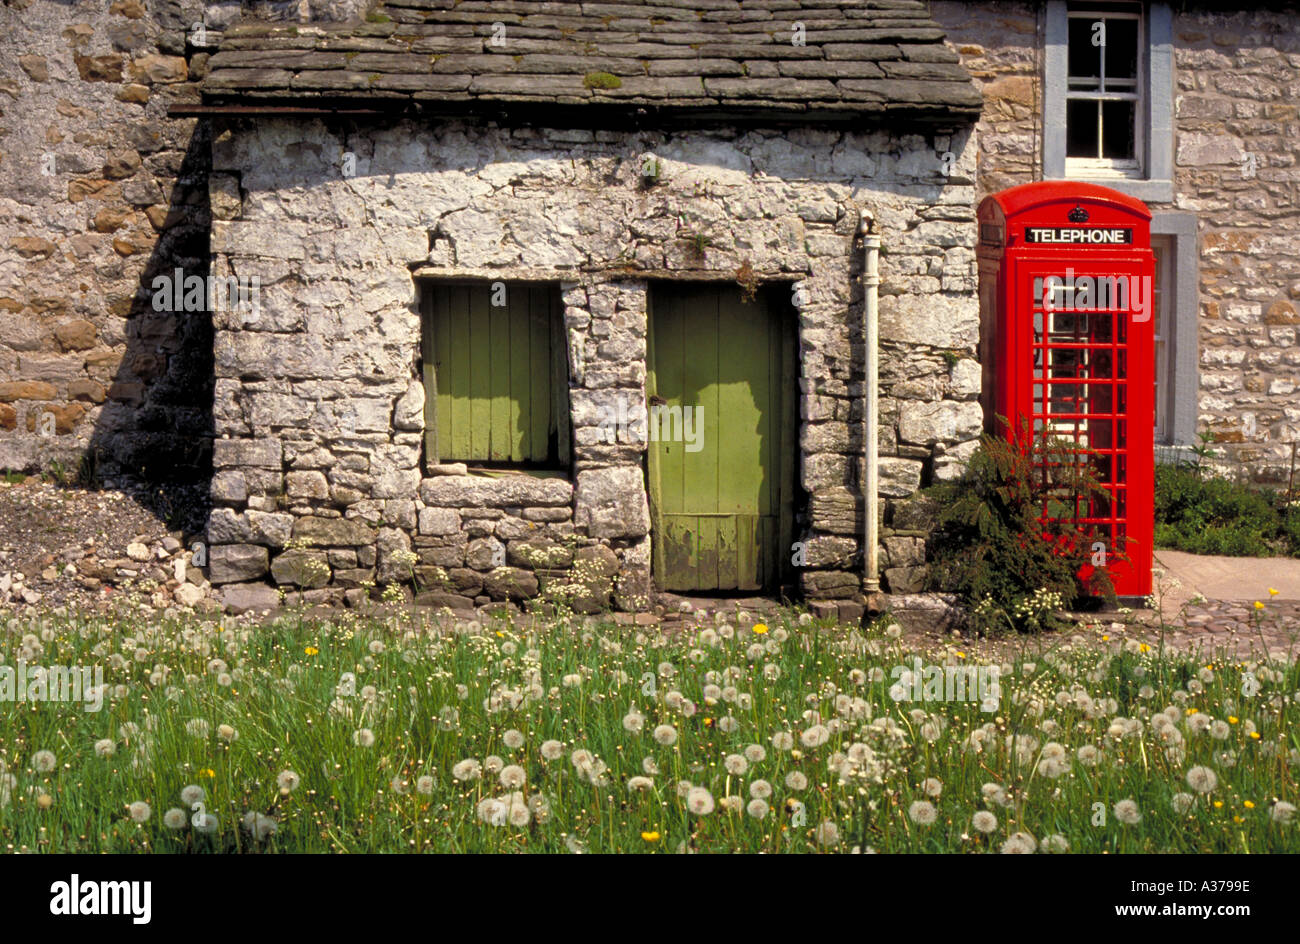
(699, 801)
(1019, 843)
(512, 777)
(922, 812)
(1127, 812)
(1202, 779)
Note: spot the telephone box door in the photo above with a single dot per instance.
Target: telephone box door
(1089, 328)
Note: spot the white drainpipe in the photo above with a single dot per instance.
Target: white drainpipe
(871, 376)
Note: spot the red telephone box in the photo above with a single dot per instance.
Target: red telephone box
(1066, 305)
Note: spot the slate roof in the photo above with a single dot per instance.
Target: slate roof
(874, 61)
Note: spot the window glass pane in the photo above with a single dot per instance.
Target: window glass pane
(1081, 128)
(1121, 49)
(1117, 130)
(1085, 58)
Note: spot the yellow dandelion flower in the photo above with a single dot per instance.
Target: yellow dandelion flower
(1105, 638)
(1143, 647)
(1238, 819)
(760, 628)
(207, 772)
(1254, 735)
(312, 651)
(1272, 592)
(1218, 804)
(1258, 605)
(1232, 719)
(1192, 711)
(961, 655)
(1248, 804)
(651, 836)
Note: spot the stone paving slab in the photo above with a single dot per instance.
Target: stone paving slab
(1231, 578)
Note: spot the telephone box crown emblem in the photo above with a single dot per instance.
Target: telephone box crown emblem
(1078, 214)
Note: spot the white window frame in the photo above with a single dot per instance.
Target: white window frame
(1100, 167)
(1178, 386)
(1166, 246)
(1153, 180)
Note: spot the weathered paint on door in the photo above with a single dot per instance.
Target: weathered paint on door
(722, 379)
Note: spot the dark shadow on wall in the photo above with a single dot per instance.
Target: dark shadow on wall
(156, 425)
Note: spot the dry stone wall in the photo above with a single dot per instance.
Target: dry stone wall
(319, 481)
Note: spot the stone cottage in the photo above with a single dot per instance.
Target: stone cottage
(537, 289)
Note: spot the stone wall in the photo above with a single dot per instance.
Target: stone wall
(319, 412)
(1001, 45)
(1237, 167)
(101, 192)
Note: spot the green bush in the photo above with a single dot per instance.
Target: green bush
(1291, 528)
(1012, 568)
(1201, 514)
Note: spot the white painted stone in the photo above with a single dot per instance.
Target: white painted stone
(944, 421)
(611, 503)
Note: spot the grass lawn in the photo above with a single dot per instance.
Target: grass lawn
(368, 734)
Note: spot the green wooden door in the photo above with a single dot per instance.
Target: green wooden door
(721, 386)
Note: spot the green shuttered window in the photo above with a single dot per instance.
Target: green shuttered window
(495, 374)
